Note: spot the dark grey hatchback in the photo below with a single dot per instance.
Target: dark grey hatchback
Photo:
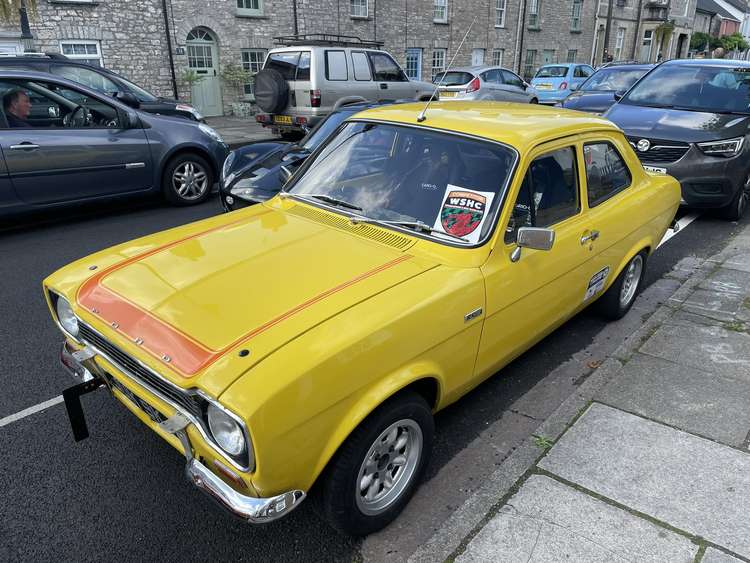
(63, 144)
(691, 119)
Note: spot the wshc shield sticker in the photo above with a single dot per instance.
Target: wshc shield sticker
(463, 212)
(596, 283)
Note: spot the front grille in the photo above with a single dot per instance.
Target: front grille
(139, 373)
(661, 151)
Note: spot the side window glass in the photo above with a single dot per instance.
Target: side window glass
(336, 68)
(511, 79)
(386, 70)
(492, 76)
(549, 193)
(303, 68)
(284, 62)
(361, 66)
(606, 172)
(87, 77)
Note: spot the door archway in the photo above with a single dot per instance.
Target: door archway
(203, 59)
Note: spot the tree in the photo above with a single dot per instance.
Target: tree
(10, 9)
(704, 42)
(734, 42)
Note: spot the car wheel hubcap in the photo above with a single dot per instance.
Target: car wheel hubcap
(388, 467)
(190, 180)
(631, 281)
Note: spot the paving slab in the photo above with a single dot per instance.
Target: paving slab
(691, 483)
(729, 281)
(546, 521)
(708, 348)
(721, 305)
(715, 556)
(701, 402)
(740, 261)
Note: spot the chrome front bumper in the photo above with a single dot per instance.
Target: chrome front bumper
(79, 363)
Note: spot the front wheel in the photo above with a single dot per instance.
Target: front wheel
(619, 298)
(377, 469)
(534, 101)
(735, 210)
(187, 179)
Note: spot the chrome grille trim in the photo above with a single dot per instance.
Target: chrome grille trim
(660, 151)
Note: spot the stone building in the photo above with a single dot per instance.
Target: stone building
(137, 37)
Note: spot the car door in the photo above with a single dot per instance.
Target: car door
(391, 82)
(580, 74)
(95, 154)
(528, 298)
(8, 197)
(514, 89)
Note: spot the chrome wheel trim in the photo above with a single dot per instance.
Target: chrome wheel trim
(631, 281)
(389, 467)
(190, 180)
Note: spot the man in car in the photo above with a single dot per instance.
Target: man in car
(17, 107)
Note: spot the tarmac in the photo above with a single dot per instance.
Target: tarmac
(649, 460)
(239, 131)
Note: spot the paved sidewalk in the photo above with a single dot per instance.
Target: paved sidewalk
(650, 461)
(239, 131)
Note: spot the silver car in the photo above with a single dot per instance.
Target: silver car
(485, 83)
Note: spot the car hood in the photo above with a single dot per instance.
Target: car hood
(593, 101)
(677, 125)
(252, 280)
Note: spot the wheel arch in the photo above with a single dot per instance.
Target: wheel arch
(189, 149)
(644, 244)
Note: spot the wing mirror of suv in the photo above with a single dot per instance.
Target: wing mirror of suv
(619, 95)
(128, 99)
(532, 237)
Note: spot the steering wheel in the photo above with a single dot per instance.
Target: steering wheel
(79, 117)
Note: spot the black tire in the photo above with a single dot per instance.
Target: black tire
(613, 304)
(735, 210)
(271, 91)
(341, 482)
(190, 194)
(534, 101)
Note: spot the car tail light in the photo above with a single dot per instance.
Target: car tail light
(300, 121)
(564, 86)
(261, 118)
(315, 98)
(473, 86)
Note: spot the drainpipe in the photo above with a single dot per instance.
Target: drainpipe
(607, 31)
(169, 48)
(294, 8)
(519, 36)
(637, 31)
(26, 37)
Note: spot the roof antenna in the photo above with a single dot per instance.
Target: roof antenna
(421, 117)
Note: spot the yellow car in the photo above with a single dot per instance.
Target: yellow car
(306, 342)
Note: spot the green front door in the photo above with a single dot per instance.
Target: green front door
(204, 61)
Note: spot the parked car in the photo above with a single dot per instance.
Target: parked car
(102, 80)
(690, 119)
(79, 145)
(555, 82)
(485, 83)
(301, 82)
(597, 94)
(256, 173)
(310, 339)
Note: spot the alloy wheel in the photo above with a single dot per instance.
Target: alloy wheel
(632, 280)
(190, 180)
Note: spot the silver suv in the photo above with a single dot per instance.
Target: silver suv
(485, 83)
(302, 81)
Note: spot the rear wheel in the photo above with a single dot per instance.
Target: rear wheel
(187, 179)
(735, 210)
(619, 298)
(534, 101)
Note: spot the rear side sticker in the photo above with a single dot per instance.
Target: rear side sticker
(596, 283)
(463, 212)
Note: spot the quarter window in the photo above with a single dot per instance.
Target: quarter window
(606, 172)
(512, 79)
(549, 193)
(336, 68)
(361, 66)
(84, 51)
(440, 13)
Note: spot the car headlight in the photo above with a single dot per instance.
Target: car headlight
(210, 132)
(66, 317)
(728, 147)
(190, 109)
(226, 431)
(228, 162)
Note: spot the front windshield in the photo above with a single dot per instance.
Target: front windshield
(138, 92)
(387, 172)
(552, 72)
(321, 132)
(694, 88)
(612, 80)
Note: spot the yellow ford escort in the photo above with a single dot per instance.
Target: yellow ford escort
(306, 342)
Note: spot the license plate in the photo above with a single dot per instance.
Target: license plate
(447, 94)
(283, 119)
(152, 413)
(543, 86)
(655, 169)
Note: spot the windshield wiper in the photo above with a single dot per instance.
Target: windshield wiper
(331, 200)
(416, 225)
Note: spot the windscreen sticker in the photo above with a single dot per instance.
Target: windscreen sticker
(463, 212)
(596, 283)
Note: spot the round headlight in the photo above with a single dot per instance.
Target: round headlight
(226, 431)
(66, 317)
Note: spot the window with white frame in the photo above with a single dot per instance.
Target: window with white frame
(497, 57)
(529, 64)
(252, 61)
(414, 64)
(438, 62)
(88, 52)
(440, 13)
(572, 55)
(250, 7)
(358, 8)
(619, 43)
(534, 13)
(575, 21)
(500, 13)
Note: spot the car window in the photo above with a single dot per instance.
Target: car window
(303, 67)
(336, 68)
(612, 79)
(549, 193)
(512, 79)
(137, 91)
(361, 66)
(87, 77)
(491, 76)
(385, 68)
(581, 72)
(552, 72)
(606, 172)
(285, 63)
(453, 78)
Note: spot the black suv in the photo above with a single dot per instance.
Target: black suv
(102, 80)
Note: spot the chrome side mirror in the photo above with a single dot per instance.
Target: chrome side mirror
(619, 95)
(532, 237)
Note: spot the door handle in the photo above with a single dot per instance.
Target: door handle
(383, 86)
(591, 237)
(24, 146)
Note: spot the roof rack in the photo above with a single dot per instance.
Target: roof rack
(327, 40)
(56, 56)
